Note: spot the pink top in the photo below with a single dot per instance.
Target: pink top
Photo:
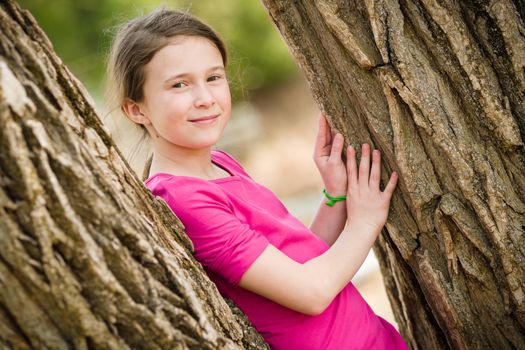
(230, 221)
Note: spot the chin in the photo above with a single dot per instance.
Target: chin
(206, 143)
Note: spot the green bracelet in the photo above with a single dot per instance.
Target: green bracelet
(332, 200)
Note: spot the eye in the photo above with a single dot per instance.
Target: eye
(215, 77)
(178, 84)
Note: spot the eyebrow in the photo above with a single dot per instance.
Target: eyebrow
(173, 77)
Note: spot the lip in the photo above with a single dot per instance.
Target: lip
(208, 118)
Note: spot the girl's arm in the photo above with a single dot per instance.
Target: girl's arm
(328, 221)
(310, 287)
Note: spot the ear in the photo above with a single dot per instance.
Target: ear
(134, 112)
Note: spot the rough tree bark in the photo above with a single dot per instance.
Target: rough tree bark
(439, 87)
(88, 258)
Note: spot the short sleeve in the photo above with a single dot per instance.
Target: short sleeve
(223, 243)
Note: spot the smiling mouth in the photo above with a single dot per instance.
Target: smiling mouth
(207, 119)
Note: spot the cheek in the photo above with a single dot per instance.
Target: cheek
(176, 103)
(169, 112)
(225, 97)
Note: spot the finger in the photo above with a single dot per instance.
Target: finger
(320, 141)
(391, 185)
(327, 128)
(333, 132)
(337, 148)
(328, 135)
(322, 118)
(351, 167)
(375, 173)
(364, 165)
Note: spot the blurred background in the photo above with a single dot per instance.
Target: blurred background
(274, 121)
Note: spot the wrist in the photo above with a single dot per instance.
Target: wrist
(335, 192)
(331, 200)
(353, 227)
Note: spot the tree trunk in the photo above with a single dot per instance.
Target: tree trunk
(88, 258)
(438, 87)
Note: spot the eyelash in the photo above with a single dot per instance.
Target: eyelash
(181, 82)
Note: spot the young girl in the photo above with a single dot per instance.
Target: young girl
(293, 282)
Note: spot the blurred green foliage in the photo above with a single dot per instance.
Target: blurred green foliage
(81, 32)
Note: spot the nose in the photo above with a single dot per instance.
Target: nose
(203, 96)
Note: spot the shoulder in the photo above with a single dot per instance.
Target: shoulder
(227, 158)
(223, 155)
(184, 192)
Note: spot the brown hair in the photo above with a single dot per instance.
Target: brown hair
(135, 44)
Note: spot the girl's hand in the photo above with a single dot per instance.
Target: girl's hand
(327, 158)
(366, 205)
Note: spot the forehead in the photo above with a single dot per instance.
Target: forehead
(184, 54)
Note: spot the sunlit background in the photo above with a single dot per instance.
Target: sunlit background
(274, 121)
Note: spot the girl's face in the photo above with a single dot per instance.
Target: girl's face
(186, 81)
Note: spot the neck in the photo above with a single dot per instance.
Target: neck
(183, 161)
